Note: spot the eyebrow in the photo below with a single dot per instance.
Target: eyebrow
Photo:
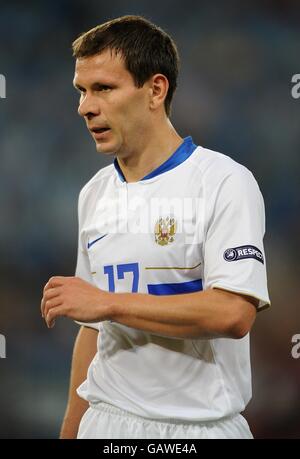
(94, 86)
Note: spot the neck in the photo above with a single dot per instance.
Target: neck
(150, 152)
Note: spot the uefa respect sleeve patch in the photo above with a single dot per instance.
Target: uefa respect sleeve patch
(242, 252)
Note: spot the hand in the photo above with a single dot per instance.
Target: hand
(74, 298)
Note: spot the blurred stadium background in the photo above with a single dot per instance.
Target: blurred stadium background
(234, 96)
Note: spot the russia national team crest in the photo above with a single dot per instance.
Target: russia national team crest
(165, 229)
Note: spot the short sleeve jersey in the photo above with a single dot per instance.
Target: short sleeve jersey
(196, 222)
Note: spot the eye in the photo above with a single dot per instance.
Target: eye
(80, 91)
(104, 88)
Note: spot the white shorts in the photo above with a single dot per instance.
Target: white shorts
(108, 422)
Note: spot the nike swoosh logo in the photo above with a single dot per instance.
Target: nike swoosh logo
(96, 240)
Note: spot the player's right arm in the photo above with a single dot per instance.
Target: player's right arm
(85, 348)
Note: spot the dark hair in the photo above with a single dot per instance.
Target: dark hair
(145, 48)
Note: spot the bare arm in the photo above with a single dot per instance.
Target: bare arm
(207, 314)
(85, 348)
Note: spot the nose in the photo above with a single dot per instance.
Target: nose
(88, 106)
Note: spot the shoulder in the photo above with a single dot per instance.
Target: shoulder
(219, 170)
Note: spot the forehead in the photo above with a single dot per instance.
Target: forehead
(107, 67)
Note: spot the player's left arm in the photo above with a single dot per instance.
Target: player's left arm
(207, 314)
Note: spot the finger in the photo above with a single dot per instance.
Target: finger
(42, 307)
(53, 314)
(50, 304)
(47, 287)
(56, 281)
(52, 293)
(48, 295)
(43, 303)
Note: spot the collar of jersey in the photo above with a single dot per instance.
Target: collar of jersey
(182, 153)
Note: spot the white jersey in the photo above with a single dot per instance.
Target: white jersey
(195, 223)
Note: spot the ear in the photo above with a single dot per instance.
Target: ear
(159, 86)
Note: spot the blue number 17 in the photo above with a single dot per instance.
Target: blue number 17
(121, 270)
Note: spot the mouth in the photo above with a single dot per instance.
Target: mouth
(99, 132)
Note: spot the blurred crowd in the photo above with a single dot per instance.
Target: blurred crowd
(234, 96)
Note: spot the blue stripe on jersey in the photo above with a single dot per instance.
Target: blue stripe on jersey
(182, 153)
(174, 289)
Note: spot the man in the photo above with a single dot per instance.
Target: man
(170, 269)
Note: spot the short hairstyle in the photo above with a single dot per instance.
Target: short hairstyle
(145, 48)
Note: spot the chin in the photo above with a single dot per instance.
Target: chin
(105, 149)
